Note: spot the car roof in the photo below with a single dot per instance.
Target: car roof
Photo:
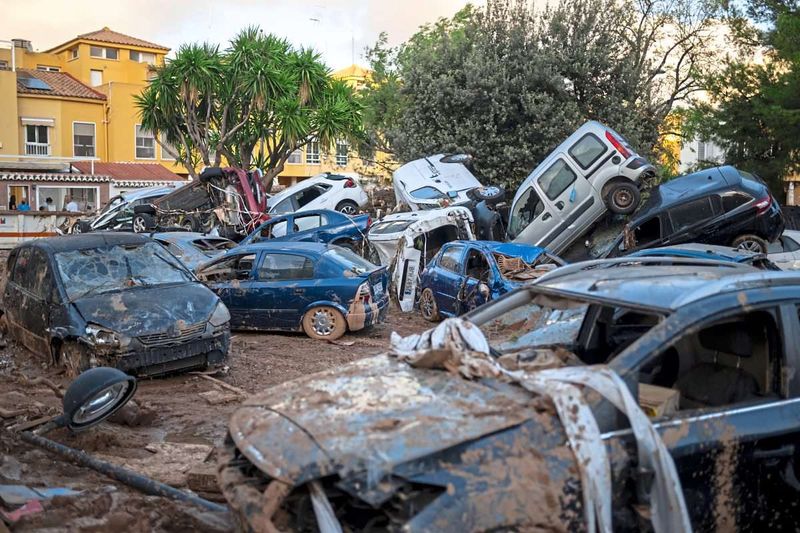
(85, 241)
(421, 172)
(698, 250)
(664, 284)
(525, 251)
(328, 212)
(315, 248)
(147, 193)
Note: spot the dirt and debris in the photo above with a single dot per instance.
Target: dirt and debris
(168, 432)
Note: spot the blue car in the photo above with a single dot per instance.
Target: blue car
(193, 249)
(321, 289)
(710, 251)
(322, 225)
(466, 274)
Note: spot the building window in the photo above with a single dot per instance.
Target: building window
(164, 153)
(295, 157)
(312, 152)
(96, 77)
(145, 144)
(37, 140)
(3, 64)
(143, 57)
(103, 52)
(72, 53)
(48, 68)
(341, 153)
(701, 151)
(83, 139)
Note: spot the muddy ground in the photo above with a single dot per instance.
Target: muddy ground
(182, 418)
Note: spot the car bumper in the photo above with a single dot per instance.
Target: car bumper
(361, 316)
(164, 359)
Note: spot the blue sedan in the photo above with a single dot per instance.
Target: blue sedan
(321, 225)
(321, 289)
(466, 274)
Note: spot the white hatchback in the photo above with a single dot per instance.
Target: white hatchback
(340, 192)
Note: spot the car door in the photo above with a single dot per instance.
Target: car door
(231, 278)
(571, 196)
(286, 282)
(698, 221)
(449, 279)
(28, 288)
(531, 218)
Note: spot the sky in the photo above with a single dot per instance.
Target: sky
(339, 29)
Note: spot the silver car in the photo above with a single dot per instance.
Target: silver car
(595, 169)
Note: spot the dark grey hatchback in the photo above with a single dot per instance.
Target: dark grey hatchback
(112, 299)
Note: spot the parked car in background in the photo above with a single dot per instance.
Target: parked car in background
(710, 251)
(118, 212)
(193, 249)
(720, 205)
(320, 289)
(228, 201)
(112, 299)
(593, 171)
(488, 458)
(340, 192)
(466, 274)
(317, 225)
(785, 251)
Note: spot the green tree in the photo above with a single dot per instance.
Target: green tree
(252, 104)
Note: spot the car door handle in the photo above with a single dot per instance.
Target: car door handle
(560, 205)
(546, 216)
(299, 291)
(774, 453)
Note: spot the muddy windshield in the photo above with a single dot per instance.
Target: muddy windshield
(594, 333)
(115, 268)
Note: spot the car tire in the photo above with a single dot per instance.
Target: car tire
(347, 207)
(350, 245)
(70, 356)
(324, 323)
(81, 226)
(428, 306)
(622, 197)
(491, 194)
(191, 223)
(750, 243)
(143, 222)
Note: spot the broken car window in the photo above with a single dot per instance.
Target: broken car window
(113, 268)
(477, 265)
(213, 245)
(235, 268)
(532, 325)
(556, 179)
(529, 207)
(648, 231)
(280, 267)
(451, 259)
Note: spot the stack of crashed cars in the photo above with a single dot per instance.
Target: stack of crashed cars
(628, 393)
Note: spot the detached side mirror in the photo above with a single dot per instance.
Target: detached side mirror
(95, 395)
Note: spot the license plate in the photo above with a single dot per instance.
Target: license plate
(377, 290)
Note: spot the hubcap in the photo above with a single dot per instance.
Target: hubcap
(76, 228)
(490, 191)
(323, 322)
(427, 305)
(623, 198)
(138, 225)
(750, 246)
(348, 210)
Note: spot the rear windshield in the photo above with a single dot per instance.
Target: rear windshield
(350, 261)
(428, 193)
(114, 268)
(394, 226)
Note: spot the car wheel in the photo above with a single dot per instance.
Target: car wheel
(750, 243)
(428, 306)
(623, 197)
(490, 193)
(143, 222)
(191, 223)
(348, 207)
(71, 356)
(324, 323)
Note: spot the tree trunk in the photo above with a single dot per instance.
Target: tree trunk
(270, 174)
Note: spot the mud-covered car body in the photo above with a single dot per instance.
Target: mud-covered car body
(192, 248)
(466, 274)
(229, 201)
(320, 225)
(112, 299)
(272, 285)
(397, 447)
(710, 251)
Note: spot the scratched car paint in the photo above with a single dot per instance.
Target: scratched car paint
(401, 448)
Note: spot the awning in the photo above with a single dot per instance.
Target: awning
(29, 121)
(54, 176)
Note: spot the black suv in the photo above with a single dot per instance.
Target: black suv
(720, 205)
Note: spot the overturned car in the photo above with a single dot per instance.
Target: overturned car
(708, 348)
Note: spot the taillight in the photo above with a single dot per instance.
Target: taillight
(369, 221)
(617, 144)
(763, 204)
(349, 183)
(363, 293)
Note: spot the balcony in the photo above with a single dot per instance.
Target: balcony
(37, 149)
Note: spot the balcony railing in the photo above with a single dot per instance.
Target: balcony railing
(37, 148)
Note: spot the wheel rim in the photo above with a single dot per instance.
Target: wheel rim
(623, 198)
(77, 228)
(323, 322)
(427, 304)
(138, 225)
(348, 209)
(489, 190)
(750, 246)
(187, 224)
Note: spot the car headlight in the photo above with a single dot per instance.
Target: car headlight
(102, 337)
(220, 316)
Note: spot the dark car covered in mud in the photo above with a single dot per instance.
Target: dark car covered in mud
(380, 445)
(112, 299)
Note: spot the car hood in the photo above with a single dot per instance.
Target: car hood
(373, 413)
(145, 310)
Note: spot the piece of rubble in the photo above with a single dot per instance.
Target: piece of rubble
(170, 462)
(10, 468)
(218, 397)
(133, 415)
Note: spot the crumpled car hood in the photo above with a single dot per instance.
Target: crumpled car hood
(140, 311)
(371, 414)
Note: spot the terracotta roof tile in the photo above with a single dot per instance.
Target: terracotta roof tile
(106, 35)
(61, 84)
(129, 171)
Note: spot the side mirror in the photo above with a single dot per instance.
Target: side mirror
(94, 396)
